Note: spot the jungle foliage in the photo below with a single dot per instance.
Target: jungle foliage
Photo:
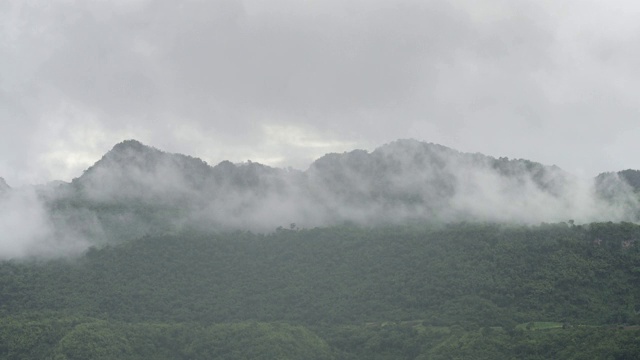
(457, 291)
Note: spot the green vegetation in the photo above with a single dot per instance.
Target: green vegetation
(541, 325)
(481, 291)
(85, 338)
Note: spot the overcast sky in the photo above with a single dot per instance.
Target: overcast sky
(283, 82)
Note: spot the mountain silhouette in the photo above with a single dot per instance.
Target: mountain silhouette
(135, 189)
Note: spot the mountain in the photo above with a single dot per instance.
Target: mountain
(627, 178)
(428, 180)
(132, 170)
(445, 265)
(136, 190)
(632, 177)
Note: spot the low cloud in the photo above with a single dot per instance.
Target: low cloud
(216, 78)
(136, 190)
(27, 229)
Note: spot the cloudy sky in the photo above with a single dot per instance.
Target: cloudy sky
(285, 81)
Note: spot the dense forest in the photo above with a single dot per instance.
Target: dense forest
(456, 291)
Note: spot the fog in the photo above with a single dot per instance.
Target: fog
(136, 190)
(26, 228)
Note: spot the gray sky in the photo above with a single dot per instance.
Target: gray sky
(283, 82)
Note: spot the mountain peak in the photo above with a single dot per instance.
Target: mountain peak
(413, 144)
(136, 189)
(130, 145)
(126, 154)
(133, 152)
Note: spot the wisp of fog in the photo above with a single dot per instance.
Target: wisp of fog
(136, 190)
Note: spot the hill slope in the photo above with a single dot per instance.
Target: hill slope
(481, 291)
(136, 190)
(462, 273)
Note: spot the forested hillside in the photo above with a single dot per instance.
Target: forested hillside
(399, 292)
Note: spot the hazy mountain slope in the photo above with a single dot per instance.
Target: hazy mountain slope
(620, 189)
(408, 179)
(133, 171)
(632, 177)
(629, 179)
(136, 190)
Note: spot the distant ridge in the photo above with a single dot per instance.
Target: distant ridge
(629, 177)
(135, 189)
(134, 154)
(434, 163)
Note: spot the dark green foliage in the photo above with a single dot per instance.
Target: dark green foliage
(411, 292)
(58, 338)
(463, 274)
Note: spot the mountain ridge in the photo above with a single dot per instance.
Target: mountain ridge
(405, 175)
(136, 190)
(125, 151)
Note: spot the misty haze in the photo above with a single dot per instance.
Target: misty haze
(137, 190)
(335, 180)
